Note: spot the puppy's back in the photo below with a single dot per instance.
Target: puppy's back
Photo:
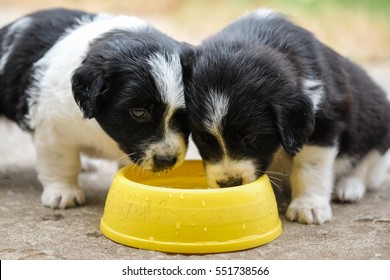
(22, 43)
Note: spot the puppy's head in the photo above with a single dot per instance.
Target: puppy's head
(132, 85)
(242, 104)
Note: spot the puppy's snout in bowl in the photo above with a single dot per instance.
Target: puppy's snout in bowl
(164, 162)
(230, 173)
(231, 182)
(164, 155)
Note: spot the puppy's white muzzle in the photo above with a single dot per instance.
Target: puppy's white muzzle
(229, 173)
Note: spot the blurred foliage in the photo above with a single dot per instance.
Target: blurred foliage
(370, 7)
(359, 29)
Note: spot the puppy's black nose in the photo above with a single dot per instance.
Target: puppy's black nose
(163, 162)
(231, 182)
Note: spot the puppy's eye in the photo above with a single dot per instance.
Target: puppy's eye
(140, 114)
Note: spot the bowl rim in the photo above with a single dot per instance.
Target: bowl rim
(121, 176)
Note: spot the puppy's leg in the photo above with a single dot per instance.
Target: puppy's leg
(377, 174)
(369, 173)
(88, 164)
(311, 185)
(350, 188)
(58, 168)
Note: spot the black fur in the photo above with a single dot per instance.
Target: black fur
(114, 79)
(45, 28)
(261, 65)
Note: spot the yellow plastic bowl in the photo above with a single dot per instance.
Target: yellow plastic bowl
(176, 212)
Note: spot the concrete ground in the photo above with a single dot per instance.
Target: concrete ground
(30, 231)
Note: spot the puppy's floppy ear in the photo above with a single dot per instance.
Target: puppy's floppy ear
(294, 121)
(87, 85)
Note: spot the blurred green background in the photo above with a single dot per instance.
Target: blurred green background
(357, 29)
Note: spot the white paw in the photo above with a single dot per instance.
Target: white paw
(88, 166)
(61, 197)
(309, 210)
(378, 182)
(350, 189)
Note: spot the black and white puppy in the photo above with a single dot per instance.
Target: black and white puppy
(124, 75)
(264, 94)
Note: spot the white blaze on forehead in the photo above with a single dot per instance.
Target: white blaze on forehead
(217, 106)
(167, 73)
(315, 90)
(10, 39)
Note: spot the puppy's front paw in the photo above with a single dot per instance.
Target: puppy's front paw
(61, 197)
(309, 210)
